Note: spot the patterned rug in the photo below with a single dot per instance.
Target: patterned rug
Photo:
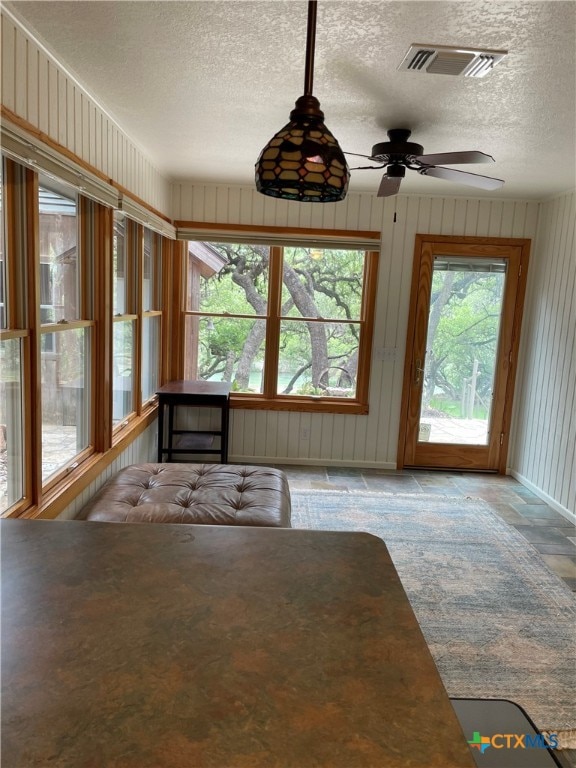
(498, 622)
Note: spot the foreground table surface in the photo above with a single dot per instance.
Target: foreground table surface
(170, 646)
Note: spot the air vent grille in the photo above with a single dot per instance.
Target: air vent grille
(445, 60)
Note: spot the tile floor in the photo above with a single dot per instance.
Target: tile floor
(551, 534)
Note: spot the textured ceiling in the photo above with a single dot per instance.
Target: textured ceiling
(202, 86)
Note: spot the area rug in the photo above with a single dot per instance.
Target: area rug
(499, 623)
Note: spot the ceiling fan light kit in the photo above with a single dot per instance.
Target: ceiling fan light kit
(303, 161)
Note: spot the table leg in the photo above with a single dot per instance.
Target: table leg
(170, 429)
(160, 429)
(224, 438)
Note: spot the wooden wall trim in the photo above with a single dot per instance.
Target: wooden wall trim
(343, 234)
(20, 122)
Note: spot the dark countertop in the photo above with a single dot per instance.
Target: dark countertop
(175, 646)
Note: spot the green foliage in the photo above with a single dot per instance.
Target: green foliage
(332, 279)
(467, 330)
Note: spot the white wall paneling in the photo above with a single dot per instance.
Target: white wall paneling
(544, 440)
(38, 89)
(371, 440)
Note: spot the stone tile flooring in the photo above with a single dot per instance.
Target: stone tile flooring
(551, 534)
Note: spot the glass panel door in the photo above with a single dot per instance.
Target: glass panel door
(462, 345)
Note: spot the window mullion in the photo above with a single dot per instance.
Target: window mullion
(138, 287)
(102, 352)
(272, 349)
(33, 388)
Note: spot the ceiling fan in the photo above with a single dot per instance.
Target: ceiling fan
(398, 153)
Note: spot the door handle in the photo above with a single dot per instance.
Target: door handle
(418, 371)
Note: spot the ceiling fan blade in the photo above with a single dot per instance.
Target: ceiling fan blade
(368, 157)
(463, 177)
(456, 158)
(367, 167)
(389, 186)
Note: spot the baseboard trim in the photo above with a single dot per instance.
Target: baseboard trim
(544, 496)
(235, 459)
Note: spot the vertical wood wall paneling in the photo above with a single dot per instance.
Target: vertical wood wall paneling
(544, 450)
(21, 64)
(336, 438)
(37, 88)
(8, 64)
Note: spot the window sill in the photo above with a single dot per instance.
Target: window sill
(299, 404)
(61, 495)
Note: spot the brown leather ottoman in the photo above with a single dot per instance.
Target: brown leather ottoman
(209, 494)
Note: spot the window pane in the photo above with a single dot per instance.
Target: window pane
(151, 271)
(65, 373)
(231, 349)
(3, 320)
(123, 363)
(318, 282)
(59, 294)
(119, 266)
(11, 443)
(228, 278)
(150, 356)
(466, 304)
(318, 359)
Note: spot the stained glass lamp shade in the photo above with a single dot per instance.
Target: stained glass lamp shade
(303, 161)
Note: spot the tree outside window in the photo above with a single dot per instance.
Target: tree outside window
(280, 323)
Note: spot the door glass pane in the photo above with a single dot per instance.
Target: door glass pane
(318, 359)
(461, 348)
(65, 373)
(123, 370)
(59, 277)
(150, 356)
(11, 441)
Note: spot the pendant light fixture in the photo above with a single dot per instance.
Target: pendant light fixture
(303, 161)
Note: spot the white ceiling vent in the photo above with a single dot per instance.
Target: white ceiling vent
(445, 60)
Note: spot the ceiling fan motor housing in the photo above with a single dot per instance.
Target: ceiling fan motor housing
(398, 149)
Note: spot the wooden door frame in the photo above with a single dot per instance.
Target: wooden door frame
(468, 246)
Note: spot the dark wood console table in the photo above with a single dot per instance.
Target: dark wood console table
(198, 394)
(180, 646)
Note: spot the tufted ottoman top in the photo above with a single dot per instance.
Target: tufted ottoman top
(209, 494)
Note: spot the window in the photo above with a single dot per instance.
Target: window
(289, 326)
(11, 385)
(65, 331)
(124, 309)
(80, 335)
(137, 263)
(151, 315)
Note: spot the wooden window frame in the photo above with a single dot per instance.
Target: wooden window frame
(269, 399)
(132, 303)
(95, 298)
(156, 301)
(85, 288)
